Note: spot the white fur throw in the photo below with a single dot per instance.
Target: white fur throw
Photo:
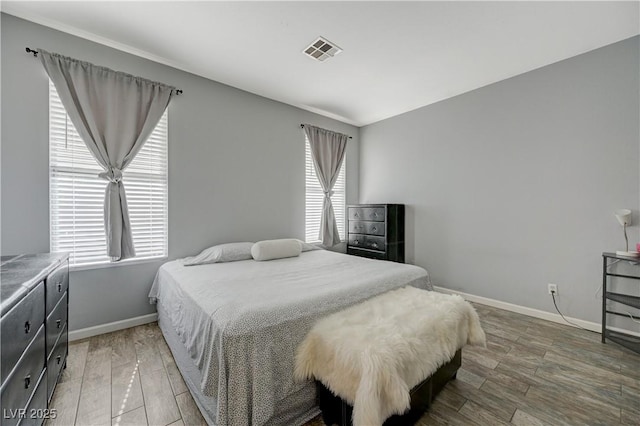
(373, 353)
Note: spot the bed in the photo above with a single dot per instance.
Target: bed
(234, 327)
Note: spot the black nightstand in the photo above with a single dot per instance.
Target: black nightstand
(627, 340)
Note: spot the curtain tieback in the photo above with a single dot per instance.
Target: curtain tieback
(113, 175)
(328, 194)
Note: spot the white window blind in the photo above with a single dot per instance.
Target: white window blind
(314, 197)
(76, 193)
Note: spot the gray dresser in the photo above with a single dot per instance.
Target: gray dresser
(34, 335)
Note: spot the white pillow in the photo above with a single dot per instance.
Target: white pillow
(230, 252)
(276, 249)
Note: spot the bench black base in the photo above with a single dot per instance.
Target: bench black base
(336, 411)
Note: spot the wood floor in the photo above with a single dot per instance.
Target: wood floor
(533, 372)
(123, 378)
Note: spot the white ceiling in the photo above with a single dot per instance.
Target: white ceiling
(397, 56)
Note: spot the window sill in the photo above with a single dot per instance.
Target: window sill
(134, 261)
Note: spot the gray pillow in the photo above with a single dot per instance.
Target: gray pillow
(230, 252)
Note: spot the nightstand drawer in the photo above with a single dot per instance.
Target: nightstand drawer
(370, 228)
(57, 284)
(19, 326)
(56, 322)
(376, 214)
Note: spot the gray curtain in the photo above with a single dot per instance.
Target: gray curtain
(114, 113)
(327, 150)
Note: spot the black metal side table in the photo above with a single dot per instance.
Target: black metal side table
(629, 341)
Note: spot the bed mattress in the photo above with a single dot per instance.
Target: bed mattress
(241, 322)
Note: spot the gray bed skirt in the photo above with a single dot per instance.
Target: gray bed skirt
(192, 378)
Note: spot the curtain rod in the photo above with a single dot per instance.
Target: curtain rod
(302, 127)
(35, 55)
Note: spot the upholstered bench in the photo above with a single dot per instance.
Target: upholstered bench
(384, 360)
(336, 410)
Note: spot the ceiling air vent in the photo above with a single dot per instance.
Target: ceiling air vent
(322, 49)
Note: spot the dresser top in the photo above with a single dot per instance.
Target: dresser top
(21, 273)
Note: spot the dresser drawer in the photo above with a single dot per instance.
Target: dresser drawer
(370, 228)
(19, 326)
(367, 253)
(56, 362)
(356, 240)
(17, 390)
(370, 242)
(57, 284)
(56, 322)
(374, 243)
(367, 213)
(37, 408)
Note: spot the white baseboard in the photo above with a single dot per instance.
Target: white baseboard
(536, 313)
(83, 333)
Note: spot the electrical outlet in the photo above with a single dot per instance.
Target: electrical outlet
(552, 288)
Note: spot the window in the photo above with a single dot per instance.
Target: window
(314, 197)
(76, 193)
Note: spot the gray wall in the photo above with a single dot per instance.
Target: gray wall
(513, 186)
(236, 167)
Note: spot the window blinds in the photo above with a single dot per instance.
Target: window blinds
(76, 193)
(314, 197)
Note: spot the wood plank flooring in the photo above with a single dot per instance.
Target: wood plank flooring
(128, 377)
(533, 372)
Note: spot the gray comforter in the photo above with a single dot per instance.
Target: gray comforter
(241, 323)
